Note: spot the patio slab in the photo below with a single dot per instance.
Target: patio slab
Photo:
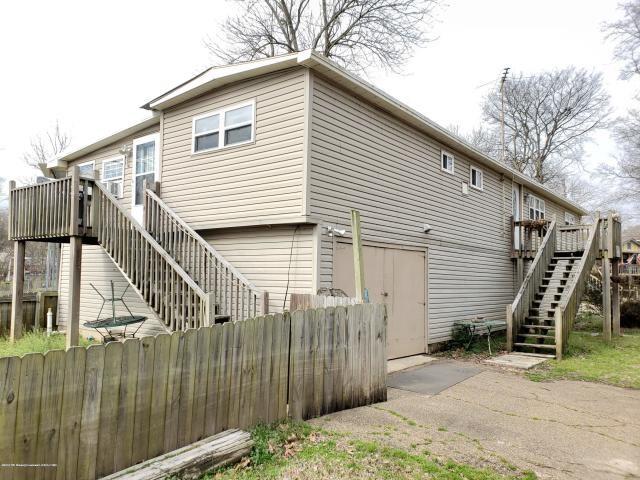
(515, 360)
(432, 378)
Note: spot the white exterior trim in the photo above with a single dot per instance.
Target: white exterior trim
(452, 157)
(481, 172)
(105, 181)
(136, 210)
(222, 128)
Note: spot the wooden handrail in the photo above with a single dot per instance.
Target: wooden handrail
(518, 309)
(234, 295)
(161, 281)
(568, 308)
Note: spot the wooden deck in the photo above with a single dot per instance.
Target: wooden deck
(178, 274)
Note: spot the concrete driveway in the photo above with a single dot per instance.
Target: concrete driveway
(499, 419)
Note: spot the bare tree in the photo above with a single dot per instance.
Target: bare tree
(486, 140)
(46, 146)
(354, 33)
(627, 171)
(548, 117)
(625, 33)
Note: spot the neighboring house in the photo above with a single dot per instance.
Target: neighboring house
(630, 248)
(266, 159)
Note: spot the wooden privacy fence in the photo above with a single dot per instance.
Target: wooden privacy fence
(93, 411)
(34, 311)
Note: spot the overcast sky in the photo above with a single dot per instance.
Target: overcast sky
(90, 65)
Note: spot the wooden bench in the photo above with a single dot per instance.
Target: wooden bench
(192, 461)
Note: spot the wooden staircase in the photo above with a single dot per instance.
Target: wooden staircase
(537, 335)
(541, 316)
(177, 273)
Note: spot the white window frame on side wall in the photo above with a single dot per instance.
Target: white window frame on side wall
(479, 174)
(451, 157)
(137, 210)
(569, 218)
(84, 164)
(222, 128)
(107, 182)
(540, 210)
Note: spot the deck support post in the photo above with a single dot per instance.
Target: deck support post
(615, 298)
(18, 290)
(73, 301)
(606, 295)
(211, 309)
(519, 272)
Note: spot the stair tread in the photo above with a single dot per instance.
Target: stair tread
(543, 346)
(544, 327)
(541, 355)
(535, 335)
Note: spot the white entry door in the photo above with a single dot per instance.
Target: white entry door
(145, 167)
(516, 208)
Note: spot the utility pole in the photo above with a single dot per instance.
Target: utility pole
(505, 72)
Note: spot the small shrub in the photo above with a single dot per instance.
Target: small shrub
(593, 295)
(630, 314)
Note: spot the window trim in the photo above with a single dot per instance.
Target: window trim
(453, 162)
(222, 128)
(471, 169)
(89, 162)
(531, 199)
(136, 141)
(105, 181)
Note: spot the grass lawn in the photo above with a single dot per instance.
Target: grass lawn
(300, 451)
(590, 358)
(35, 342)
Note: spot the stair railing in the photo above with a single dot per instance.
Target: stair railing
(570, 302)
(232, 293)
(163, 284)
(519, 309)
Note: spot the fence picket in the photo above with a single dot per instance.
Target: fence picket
(98, 410)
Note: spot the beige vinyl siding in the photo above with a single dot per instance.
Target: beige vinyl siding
(113, 150)
(257, 182)
(365, 159)
(264, 256)
(98, 269)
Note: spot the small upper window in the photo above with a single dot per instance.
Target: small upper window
(476, 178)
(569, 218)
(224, 128)
(447, 161)
(536, 208)
(113, 176)
(86, 169)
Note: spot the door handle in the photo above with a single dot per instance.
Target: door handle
(384, 294)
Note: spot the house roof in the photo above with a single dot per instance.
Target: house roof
(60, 162)
(215, 77)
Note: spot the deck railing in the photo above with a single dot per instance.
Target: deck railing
(163, 284)
(568, 308)
(572, 238)
(518, 310)
(234, 295)
(629, 269)
(527, 236)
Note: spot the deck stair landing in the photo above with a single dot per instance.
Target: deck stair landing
(537, 334)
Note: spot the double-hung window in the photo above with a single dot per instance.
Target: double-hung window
(224, 128)
(447, 162)
(536, 208)
(113, 175)
(476, 178)
(569, 218)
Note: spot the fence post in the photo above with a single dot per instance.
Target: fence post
(509, 328)
(358, 261)
(265, 303)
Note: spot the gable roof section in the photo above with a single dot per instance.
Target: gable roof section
(216, 77)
